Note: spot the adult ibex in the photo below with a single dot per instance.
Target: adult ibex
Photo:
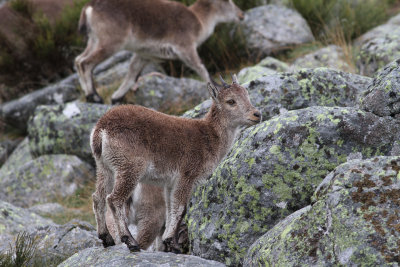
(133, 144)
(153, 29)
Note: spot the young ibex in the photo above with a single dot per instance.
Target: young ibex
(133, 144)
(153, 29)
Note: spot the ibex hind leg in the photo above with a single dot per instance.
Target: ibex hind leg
(136, 66)
(95, 52)
(99, 205)
(193, 61)
(179, 200)
(126, 180)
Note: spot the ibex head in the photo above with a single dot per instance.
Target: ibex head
(233, 101)
(227, 10)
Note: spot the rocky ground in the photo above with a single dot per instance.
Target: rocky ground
(316, 183)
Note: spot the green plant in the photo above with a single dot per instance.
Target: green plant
(51, 45)
(355, 17)
(22, 253)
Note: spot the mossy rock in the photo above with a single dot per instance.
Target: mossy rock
(119, 255)
(383, 95)
(331, 57)
(14, 220)
(277, 93)
(273, 170)
(168, 94)
(59, 242)
(354, 221)
(249, 74)
(25, 181)
(64, 129)
(378, 47)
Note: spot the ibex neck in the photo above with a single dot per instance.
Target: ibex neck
(207, 17)
(223, 129)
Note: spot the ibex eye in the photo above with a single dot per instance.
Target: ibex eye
(231, 102)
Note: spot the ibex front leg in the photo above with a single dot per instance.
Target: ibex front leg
(179, 199)
(126, 179)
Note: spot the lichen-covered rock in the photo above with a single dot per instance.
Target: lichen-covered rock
(18, 157)
(273, 170)
(119, 255)
(272, 28)
(42, 179)
(330, 57)
(14, 220)
(64, 129)
(17, 112)
(249, 74)
(6, 148)
(274, 64)
(47, 209)
(383, 95)
(354, 221)
(378, 47)
(168, 94)
(59, 242)
(277, 93)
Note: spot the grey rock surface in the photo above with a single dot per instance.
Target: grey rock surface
(278, 93)
(331, 57)
(354, 221)
(383, 95)
(17, 112)
(168, 94)
(274, 169)
(47, 209)
(59, 242)
(120, 256)
(42, 179)
(14, 220)
(378, 47)
(6, 148)
(64, 129)
(249, 74)
(271, 28)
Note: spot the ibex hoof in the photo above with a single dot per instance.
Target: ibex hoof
(170, 246)
(94, 98)
(132, 246)
(116, 101)
(107, 239)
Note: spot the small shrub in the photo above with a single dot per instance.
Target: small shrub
(355, 17)
(52, 45)
(22, 253)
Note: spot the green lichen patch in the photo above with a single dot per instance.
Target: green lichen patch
(64, 129)
(274, 169)
(353, 222)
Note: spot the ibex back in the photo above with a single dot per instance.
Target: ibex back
(133, 144)
(153, 29)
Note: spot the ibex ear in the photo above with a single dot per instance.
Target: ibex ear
(213, 90)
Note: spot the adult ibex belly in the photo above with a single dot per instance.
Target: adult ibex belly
(164, 51)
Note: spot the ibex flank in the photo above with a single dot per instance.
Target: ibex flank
(133, 144)
(153, 29)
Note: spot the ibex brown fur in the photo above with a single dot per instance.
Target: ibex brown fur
(153, 29)
(146, 211)
(133, 144)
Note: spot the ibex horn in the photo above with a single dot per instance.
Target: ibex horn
(215, 83)
(234, 79)
(224, 84)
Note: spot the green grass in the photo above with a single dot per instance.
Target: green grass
(354, 17)
(78, 206)
(21, 253)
